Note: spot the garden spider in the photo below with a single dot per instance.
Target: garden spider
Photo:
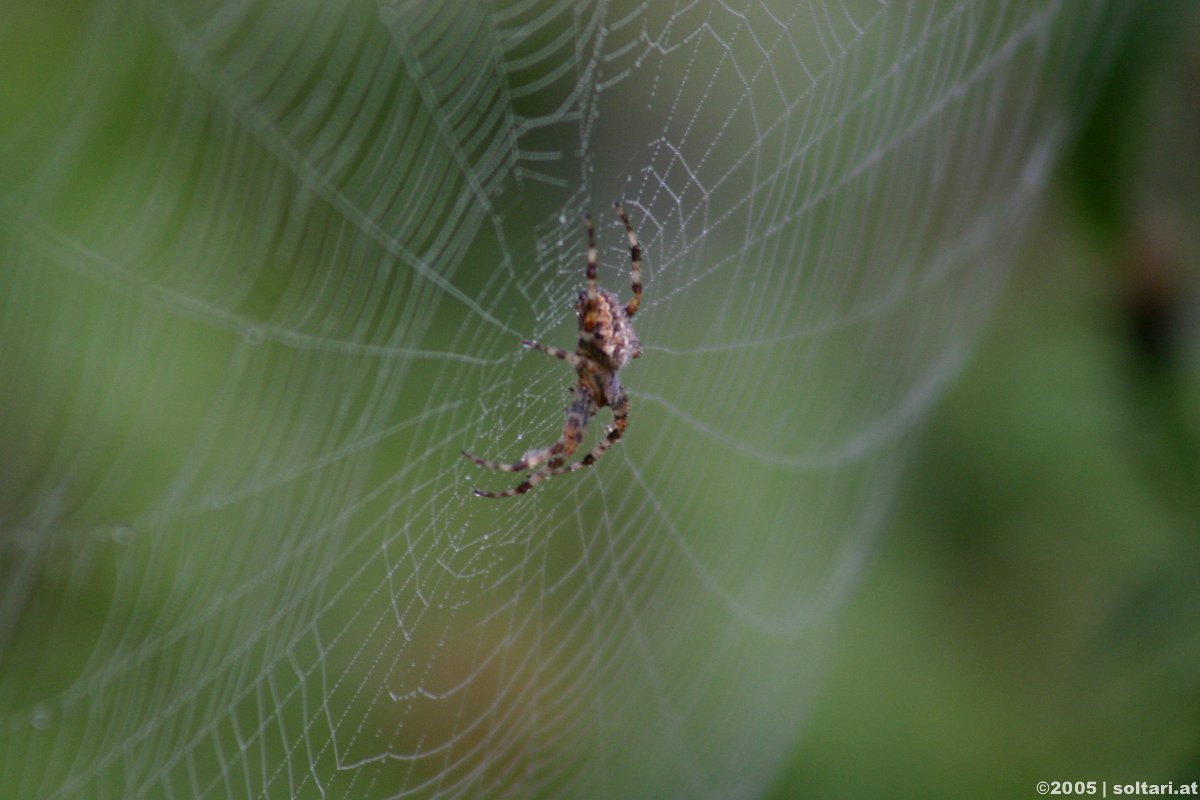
(607, 342)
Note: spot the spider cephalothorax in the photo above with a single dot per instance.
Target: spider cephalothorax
(607, 341)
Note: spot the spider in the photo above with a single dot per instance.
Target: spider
(607, 342)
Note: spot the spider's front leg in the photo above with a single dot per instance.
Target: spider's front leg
(620, 422)
(531, 459)
(577, 413)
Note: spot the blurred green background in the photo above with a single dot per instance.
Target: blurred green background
(1034, 614)
(1031, 612)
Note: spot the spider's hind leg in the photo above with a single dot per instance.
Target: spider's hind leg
(593, 288)
(635, 259)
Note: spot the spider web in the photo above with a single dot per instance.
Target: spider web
(266, 266)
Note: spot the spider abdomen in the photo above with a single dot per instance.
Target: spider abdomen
(612, 336)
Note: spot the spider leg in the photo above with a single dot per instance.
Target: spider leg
(620, 421)
(593, 289)
(530, 460)
(635, 258)
(574, 359)
(578, 412)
